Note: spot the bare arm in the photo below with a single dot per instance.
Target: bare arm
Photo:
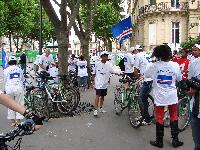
(8, 102)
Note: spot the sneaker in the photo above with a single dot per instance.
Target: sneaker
(95, 113)
(102, 110)
(144, 122)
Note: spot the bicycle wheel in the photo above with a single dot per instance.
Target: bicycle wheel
(134, 113)
(118, 99)
(69, 99)
(28, 99)
(40, 106)
(183, 113)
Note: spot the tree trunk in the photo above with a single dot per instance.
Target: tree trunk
(10, 40)
(17, 44)
(109, 43)
(63, 42)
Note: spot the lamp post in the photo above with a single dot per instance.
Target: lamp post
(40, 40)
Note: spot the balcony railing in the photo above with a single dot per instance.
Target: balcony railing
(163, 6)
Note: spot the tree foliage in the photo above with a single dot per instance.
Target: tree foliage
(21, 19)
(106, 16)
(190, 42)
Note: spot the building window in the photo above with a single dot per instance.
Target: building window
(152, 2)
(152, 34)
(175, 32)
(175, 3)
(77, 52)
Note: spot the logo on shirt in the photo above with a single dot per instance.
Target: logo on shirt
(163, 79)
(14, 75)
(82, 66)
(125, 59)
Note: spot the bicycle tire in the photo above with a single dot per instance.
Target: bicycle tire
(28, 100)
(72, 97)
(118, 100)
(40, 106)
(134, 113)
(184, 114)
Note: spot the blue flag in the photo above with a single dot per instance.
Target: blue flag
(123, 30)
(4, 59)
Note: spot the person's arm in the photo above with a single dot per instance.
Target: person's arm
(41, 63)
(8, 102)
(136, 66)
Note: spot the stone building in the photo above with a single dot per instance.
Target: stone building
(164, 21)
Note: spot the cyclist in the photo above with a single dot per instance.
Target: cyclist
(129, 59)
(11, 104)
(45, 61)
(194, 71)
(165, 73)
(141, 62)
(14, 87)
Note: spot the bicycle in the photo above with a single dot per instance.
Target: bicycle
(68, 92)
(129, 98)
(20, 131)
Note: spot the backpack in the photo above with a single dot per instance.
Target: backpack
(121, 65)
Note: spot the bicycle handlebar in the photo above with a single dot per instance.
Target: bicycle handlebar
(20, 130)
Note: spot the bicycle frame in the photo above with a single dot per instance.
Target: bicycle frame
(47, 90)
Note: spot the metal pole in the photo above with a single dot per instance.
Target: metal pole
(40, 40)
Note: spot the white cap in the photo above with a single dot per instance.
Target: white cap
(12, 58)
(138, 47)
(104, 53)
(131, 49)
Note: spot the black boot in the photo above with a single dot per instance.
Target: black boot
(174, 133)
(159, 136)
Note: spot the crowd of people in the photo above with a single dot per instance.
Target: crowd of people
(160, 72)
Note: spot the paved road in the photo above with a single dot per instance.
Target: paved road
(107, 132)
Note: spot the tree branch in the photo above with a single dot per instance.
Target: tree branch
(74, 12)
(51, 12)
(56, 2)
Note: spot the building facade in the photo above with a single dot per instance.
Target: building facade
(164, 21)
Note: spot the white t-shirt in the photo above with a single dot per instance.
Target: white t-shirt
(45, 61)
(164, 75)
(72, 64)
(102, 74)
(129, 62)
(82, 68)
(13, 77)
(53, 71)
(92, 66)
(194, 71)
(141, 61)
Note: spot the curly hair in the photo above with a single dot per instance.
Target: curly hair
(162, 52)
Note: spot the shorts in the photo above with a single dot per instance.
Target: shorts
(101, 92)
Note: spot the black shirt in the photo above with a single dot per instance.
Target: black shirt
(22, 59)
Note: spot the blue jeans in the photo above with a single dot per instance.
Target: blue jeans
(195, 124)
(23, 67)
(144, 93)
(82, 81)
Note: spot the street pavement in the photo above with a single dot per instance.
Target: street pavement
(85, 132)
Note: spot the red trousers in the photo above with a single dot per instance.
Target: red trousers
(172, 112)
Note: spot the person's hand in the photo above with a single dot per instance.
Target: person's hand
(33, 120)
(191, 92)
